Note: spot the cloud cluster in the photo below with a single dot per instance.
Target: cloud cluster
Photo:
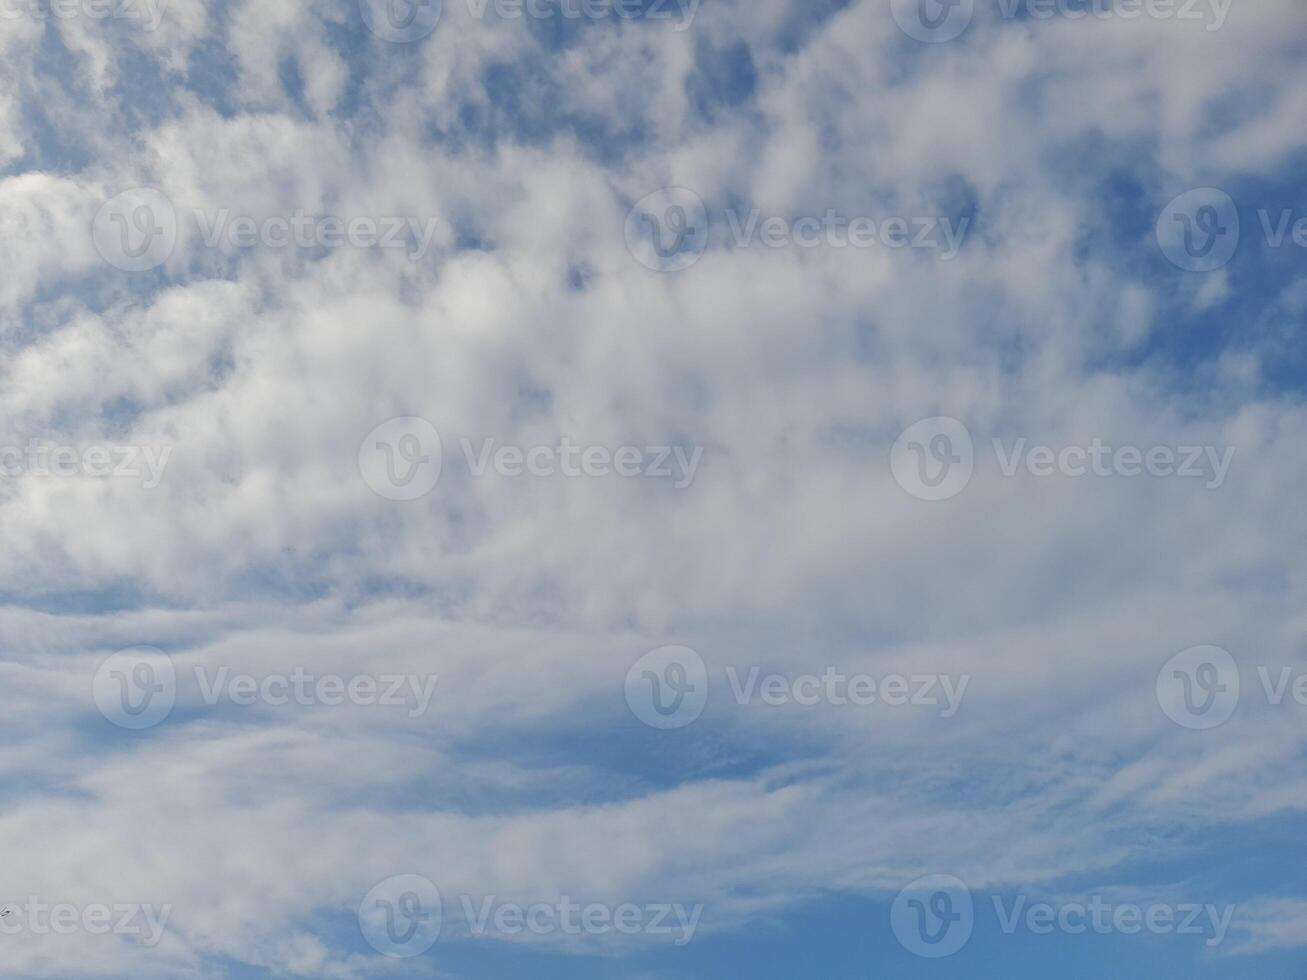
(528, 321)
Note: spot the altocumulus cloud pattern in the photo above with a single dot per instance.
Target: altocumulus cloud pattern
(653, 489)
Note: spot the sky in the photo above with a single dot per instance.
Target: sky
(653, 489)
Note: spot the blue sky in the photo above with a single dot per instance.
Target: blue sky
(733, 460)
